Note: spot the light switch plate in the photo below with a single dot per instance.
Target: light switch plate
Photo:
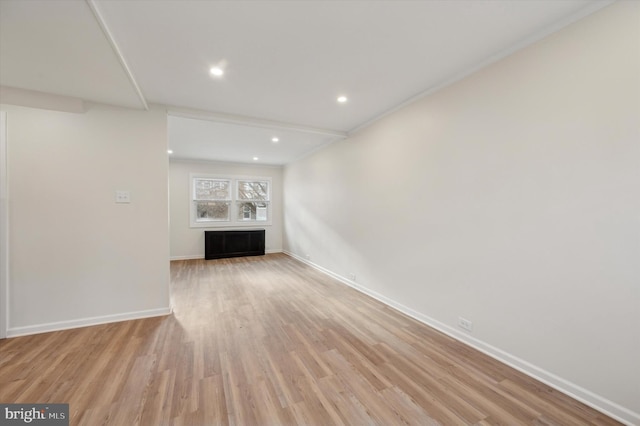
(123, 197)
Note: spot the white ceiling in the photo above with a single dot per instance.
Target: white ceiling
(231, 142)
(285, 61)
(58, 47)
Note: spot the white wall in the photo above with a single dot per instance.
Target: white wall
(4, 227)
(188, 243)
(77, 257)
(510, 198)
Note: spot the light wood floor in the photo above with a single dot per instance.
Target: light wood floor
(268, 340)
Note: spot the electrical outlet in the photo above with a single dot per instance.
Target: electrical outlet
(123, 197)
(465, 323)
(352, 276)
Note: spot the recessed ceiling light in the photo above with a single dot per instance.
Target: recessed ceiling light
(255, 158)
(342, 99)
(274, 140)
(169, 151)
(216, 71)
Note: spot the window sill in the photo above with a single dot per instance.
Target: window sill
(252, 224)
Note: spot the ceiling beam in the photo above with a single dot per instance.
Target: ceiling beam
(41, 100)
(125, 67)
(249, 121)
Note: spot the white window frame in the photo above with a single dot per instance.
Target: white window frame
(239, 200)
(195, 200)
(234, 202)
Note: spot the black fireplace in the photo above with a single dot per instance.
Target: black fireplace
(220, 244)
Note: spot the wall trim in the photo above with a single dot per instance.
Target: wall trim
(84, 322)
(464, 73)
(201, 256)
(188, 257)
(576, 392)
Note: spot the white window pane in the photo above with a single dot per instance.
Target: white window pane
(251, 211)
(261, 213)
(212, 189)
(209, 211)
(253, 190)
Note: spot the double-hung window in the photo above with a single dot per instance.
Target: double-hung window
(212, 199)
(218, 201)
(252, 200)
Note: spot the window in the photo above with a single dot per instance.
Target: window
(212, 199)
(230, 201)
(252, 199)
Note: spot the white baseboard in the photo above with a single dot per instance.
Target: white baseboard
(579, 393)
(201, 256)
(187, 257)
(84, 322)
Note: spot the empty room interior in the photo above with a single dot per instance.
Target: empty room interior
(320, 212)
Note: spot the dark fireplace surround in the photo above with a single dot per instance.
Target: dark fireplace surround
(234, 243)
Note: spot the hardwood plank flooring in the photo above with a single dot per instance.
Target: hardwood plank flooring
(270, 341)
